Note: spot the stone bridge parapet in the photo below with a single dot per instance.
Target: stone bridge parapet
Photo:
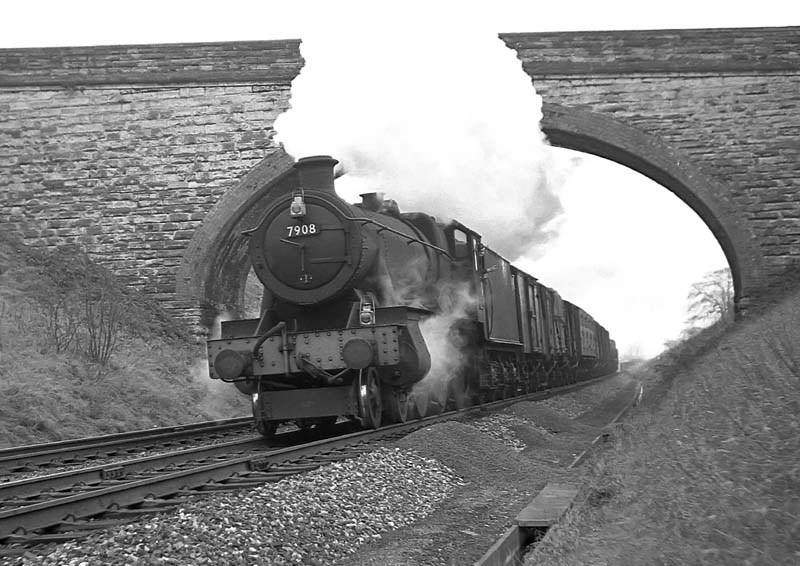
(150, 156)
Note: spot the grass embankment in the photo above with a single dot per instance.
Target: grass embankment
(82, 355)
(707, 468)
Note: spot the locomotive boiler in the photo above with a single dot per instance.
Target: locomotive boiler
(346, 290)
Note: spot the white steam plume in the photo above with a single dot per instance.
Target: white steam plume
(222, 400)
(428, 105)
(445, 343)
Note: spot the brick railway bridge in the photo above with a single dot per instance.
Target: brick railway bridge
(155, 157)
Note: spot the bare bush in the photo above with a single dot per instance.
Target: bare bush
(72, 303)
(42, 289)
(102, 303)
(56, 288)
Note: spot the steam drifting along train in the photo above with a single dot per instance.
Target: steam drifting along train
(382, 316)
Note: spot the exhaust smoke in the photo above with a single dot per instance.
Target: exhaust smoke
(434, 110)
(446, 343)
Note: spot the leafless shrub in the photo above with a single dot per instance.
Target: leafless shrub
(102, 308)
(711, 299)
(52, 280)
(74, 304)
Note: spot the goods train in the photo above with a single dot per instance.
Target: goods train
(383, 316)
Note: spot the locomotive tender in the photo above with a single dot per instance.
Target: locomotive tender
(357, 296)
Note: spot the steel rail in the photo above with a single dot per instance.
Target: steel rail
(36, 454)
(13, 492)
(134, 489)
(30, 487)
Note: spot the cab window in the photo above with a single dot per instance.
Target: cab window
(460, 244)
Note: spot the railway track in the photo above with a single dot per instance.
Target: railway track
(84, 450)
(72, 504)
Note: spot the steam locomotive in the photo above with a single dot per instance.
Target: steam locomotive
(383, 316)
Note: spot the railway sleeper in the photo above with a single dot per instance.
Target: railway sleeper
(81, 488)
(131, 512)
(282, 474)
(275, 478)
(109, 483)
(34, 538)
(217, 486)
(333, 457)
(19, 502)
(142, 475)
(76, 528)
(160, 503)
(243, 482)
(293, 467)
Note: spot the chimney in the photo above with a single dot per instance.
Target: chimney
(316, 172)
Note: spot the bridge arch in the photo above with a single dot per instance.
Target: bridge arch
(599, 134)
(214, 268)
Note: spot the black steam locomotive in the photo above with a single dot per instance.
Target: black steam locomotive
(384, 316)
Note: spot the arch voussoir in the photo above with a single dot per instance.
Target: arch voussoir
(214, 267)
(599, 134)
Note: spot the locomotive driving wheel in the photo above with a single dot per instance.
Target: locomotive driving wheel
(369, 398)
(418, 401)
(437, 397)
(397, 405)
(459, 393)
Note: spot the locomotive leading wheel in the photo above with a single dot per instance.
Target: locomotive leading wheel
(316, 424)
(265, 427)
(369, 398)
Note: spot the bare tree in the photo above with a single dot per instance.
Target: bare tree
(711, 298)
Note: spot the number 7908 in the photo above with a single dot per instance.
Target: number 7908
(301, 230)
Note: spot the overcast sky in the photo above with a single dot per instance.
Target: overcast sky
(32, 23)
(624, 248)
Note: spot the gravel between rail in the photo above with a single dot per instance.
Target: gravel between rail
(438, 496)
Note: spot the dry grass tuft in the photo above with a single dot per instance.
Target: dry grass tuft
(707, 471)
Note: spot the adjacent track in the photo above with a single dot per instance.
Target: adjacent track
(71, 504)
(31, 457)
